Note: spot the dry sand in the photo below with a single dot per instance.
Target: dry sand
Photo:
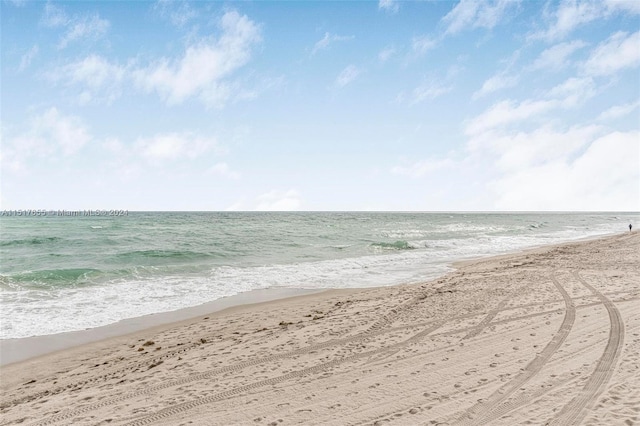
(550, 336)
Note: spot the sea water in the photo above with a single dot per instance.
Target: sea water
(71, 272)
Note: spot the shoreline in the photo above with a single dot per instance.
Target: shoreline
(542, 336)
(458, 264)
(26, 348)
(15, 350)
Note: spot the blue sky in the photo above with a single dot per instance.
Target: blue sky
(421, 106)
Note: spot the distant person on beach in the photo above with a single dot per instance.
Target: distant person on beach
(630, 227)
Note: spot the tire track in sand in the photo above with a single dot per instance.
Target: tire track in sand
(186, 406)
(181, 350)
(575, 411)
(378, 328)
(215, 372)
(474, 331)
(480, 411)
(434, 325)
(487, 319)
(67, 414)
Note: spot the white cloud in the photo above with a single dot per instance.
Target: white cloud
(347, 75)
(469, 14)
(54, 16)
(618, 111)
(385, 54)
(68, 133)
(121, 160)
(571, 14)
(530, 160)
(605, 176)
(557, 57)
(503, 79)
(166, 152)
(205, 65)
(428, 90)
(618, 52)
(423, 44)
(461, 16)
(77, 27)
(630, 6)
(391, 6)
(498, 82)
(327, 40)
(573, 91)
(114, 146)
(204, 70)
(569, 94)
(49, 134)
(179, 13)
(95, 74)
(94, 71)
(90, 27)
(26, 59)
(515, 151)
(279, 201)
(584, 167)
(223, 169)
(507, 112)
(173, 146)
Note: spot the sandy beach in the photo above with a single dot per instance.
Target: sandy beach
(546, 336)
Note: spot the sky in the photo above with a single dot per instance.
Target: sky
(300, 105)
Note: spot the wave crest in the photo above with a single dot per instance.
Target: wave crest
(396, 245)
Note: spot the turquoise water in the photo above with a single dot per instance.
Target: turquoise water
(71, 273)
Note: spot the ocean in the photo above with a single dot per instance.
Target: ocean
(72, 272)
